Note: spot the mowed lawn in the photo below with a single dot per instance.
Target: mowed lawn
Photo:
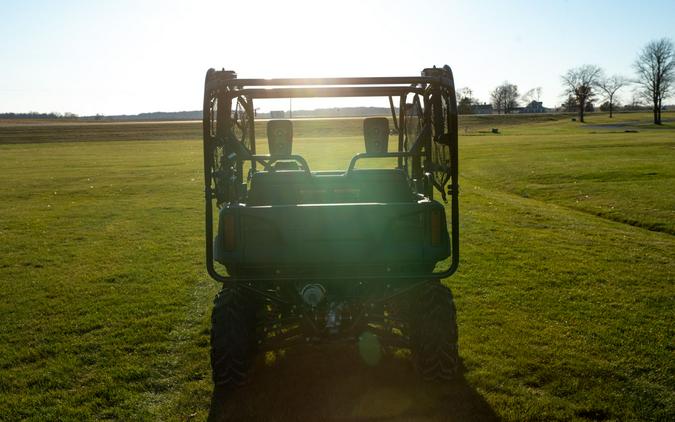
(565, 292)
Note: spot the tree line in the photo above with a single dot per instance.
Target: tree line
(654, 81)
(36, 115)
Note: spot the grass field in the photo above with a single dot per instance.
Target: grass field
(565, 291)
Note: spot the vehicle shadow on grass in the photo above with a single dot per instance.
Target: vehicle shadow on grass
(333, 384)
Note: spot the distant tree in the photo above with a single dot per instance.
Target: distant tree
(465, 92)
(579, 82)
(465, 106)
(533, 94)
(497, 100)
(606, 105)
(655, 67)
(635, 101)
(609, 86)
(465, 101)
(505, 97)
(570, 105)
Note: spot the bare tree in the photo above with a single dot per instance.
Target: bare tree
(497, 100)
(505, 97)
(511, 97)
(465, 92)
(635, 101)
(533, 94)
(537, 93)
(579, 82)
(655, 67)
(609, 86)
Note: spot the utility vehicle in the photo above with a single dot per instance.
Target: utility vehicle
(321, 256)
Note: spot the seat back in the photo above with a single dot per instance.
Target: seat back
(376, 134)
(358, 186)
(280, 137)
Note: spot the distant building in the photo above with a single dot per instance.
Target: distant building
(277, 114)
(533, 107)
(482, 109)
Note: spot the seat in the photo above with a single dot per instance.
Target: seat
(380, 185)
(277, 187)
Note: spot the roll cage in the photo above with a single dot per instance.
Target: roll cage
(426, 123)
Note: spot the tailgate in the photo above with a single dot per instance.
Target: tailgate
(359, 234)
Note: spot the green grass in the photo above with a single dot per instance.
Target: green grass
(618, 176)
(565, 289)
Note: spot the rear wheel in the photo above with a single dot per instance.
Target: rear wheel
(233, 336)
(433, 332)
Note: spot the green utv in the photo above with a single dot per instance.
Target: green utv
(324, 256)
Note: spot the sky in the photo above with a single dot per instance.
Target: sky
(128, 57)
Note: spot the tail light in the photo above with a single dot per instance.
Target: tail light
(229, 232)
(435, 228)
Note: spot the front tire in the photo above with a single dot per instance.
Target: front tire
(233, 336)
(433, 334)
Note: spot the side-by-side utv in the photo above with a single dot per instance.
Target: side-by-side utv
(320, 256)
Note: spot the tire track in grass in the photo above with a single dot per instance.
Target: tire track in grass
(495, 193)
(186, 368)
(556, 300)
